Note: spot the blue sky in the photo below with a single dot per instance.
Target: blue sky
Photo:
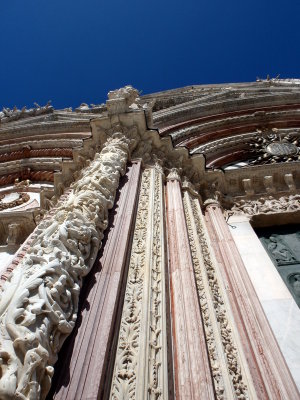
(73, 52)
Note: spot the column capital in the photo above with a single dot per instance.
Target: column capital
(174, 175)
(212, 203)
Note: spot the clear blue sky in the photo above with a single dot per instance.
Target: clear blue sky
(76, 51)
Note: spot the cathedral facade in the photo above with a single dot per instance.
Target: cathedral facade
(150, 246)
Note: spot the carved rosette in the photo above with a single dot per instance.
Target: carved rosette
(38, 305)
(223, 355)
(140, 369)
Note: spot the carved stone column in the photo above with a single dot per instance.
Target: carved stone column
(193, 378)
(38, 306)
(271, 376)
(82, 371)
(229, 376)
(140, 370)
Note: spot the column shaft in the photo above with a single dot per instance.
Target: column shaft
(191, 366)
(87, 357)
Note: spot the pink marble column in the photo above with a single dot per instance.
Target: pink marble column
(270, 374)
(86, 359)
(191, 366)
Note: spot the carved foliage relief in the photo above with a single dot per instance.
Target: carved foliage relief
(267, 205)
(224, 360)
(38, 306)
(140, 364)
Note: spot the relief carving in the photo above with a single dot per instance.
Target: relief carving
(38, 306)
(226, 373)
(275, 147)
(266, 205)
(124, 377)
(279, 251)
(141, 364)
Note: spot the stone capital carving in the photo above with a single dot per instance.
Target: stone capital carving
(174, 175)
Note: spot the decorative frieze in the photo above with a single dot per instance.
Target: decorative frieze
(228, 378)
(266, 205)
(38, 306)
(140, 369)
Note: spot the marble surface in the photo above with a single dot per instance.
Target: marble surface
(278, 304)
(5, 259)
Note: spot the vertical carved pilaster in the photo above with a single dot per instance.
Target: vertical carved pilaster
(270, 376)
(228, 377)
(192, 370)
(140, 369)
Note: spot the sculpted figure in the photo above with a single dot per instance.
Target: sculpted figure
(267, 205)
(279, 251)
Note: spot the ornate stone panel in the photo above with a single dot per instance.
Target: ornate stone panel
(140, 369)
(267, 205)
